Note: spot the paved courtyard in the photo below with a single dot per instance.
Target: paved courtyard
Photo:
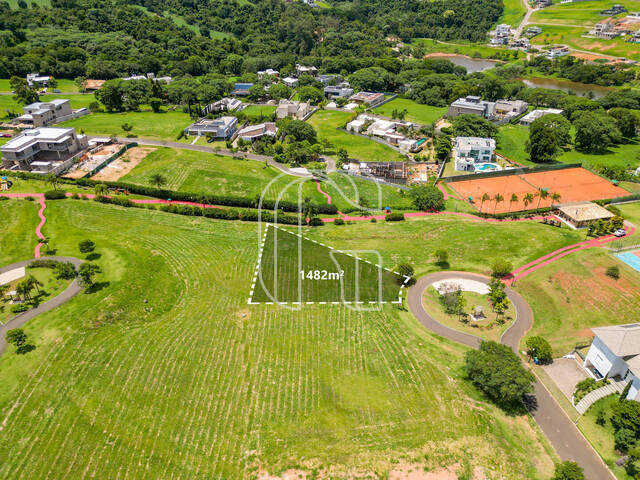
(566, 373)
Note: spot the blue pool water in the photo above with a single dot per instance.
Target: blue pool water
(421, 141)
(486, 166)
(630, 259)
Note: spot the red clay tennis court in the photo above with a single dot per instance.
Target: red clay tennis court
(572, 184)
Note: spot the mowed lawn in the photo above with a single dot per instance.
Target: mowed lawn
(63, 85)
(168, 357)
(512, 139)
(424, 114)
(146, 124)
(207, 173)
(7, 102)
(265, 110)
(513, 13)
(18, 220)
(326, 123)
(573, 294)
(349, 192)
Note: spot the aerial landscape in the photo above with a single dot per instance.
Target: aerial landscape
(320, 239)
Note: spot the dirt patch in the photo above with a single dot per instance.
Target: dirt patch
(123, 164)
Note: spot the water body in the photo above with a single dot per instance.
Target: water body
(581, 89)
(471, 64)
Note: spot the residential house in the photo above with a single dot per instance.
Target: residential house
(536, 114)
(581, 214)
(501, 34)
(290, 82)
(292, 109)
(543, 3)
(533, 31)
(471, 105)
(37, 80)
(510, 108)
(42, 150)
(469, 151)
(223, 105)
(635, 38)
(522, 42)
(305, 70)
(557, 52)
(370, 99)
(93, 85)
(148, 76)
(615, 10)
(219, 128)
(41, 114)
(254, 132)
(268, 72)
(605, 29)
(615, 352)
(326, 79)
(334, 92)
(241, 89)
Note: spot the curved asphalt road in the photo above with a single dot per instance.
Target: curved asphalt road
(22, 318)
(565, 437)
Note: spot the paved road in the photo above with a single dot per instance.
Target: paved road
(19, 320)
(556, 425)
(204, 148)
(525, 20)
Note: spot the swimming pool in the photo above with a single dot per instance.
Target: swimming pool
(482, 167)
(631, 258)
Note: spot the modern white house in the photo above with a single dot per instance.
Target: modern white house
(533, 115)
(470, 151)
(290, 82)
(293, 109)
(472, 105)
(41, 114)
(255, 132)
(42, 150)
(615, 351)
(220, 128)
(35, 79)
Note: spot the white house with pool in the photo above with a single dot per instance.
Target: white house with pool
(616, 351)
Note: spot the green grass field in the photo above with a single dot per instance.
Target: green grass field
(512, 138)
(158, 126)
(18, 220)
(76, 101)
(326, 123)
(64, 85)
(167, 356)
(513, 13)
(295, 269)
(265, 110)
(578, 13)
(572, 36)
(424, 114)
(573, 294)
(343, 189)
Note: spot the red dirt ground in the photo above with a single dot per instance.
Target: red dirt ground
(573, 185)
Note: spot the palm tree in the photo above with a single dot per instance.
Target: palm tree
(485, 197)
(542, 194)
(24, 290)
(514, 198)
(3, 291)
(34, 282)
(555, 197)
(527, 199)
(100, 189)
(53, 180)
(308, 209)
(498, 198)
(158, 180)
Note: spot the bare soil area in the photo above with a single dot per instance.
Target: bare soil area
(123, 165)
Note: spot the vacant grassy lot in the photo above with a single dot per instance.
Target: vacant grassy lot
(119, 385)
(295, 269)
(488, 329)
(265, 110)
(572, 36)
(326, 123)
(417, 113)
(76, 101)
(200, 172)
(513, 12)
(578, 13)
(345, 191)
(158, 126)
(512, 138)
(18, 220)
(472, 244)
(573, 294)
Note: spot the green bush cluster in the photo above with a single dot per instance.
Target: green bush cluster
(394, 217)
(54, 194)
(604, 227)
(586, 386)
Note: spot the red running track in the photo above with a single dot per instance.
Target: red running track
(323, 192)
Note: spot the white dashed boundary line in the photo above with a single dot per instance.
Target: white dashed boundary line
(255, 274)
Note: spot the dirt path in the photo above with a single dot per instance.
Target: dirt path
(565, 437)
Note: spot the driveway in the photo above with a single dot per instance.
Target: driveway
(566, 373)
(565, 437)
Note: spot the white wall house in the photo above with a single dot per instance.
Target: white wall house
(616, 351)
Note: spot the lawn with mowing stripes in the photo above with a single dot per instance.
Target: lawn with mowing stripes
(166, 372)
(295, 269)
(351, 192)
(424, 114)
(18, 221)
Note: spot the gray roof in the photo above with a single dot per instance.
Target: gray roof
(622, 340)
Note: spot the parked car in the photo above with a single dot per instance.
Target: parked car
(5, 135)
(620, 233)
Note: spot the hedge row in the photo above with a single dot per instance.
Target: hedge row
(521, 214)
(225, 200)
(246, 215)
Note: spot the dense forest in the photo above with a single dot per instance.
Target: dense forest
(111, 38)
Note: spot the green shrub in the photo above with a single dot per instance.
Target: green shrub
(624, 439)
(601, 418)
(394, 217)
(501, 268)
(539, 348)
(25, 348)
(19, 308)
(338, 221)
(316, 222)
(55, 195)
(568, 471)
(613, 271)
